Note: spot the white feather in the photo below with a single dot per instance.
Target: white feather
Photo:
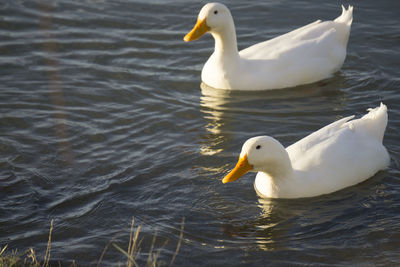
(305, 55)
(342, 154)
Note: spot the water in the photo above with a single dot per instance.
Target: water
(103, 118)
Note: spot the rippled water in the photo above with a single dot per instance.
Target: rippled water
(103, 118)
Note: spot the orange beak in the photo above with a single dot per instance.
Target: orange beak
(198, 30)
(242, 167)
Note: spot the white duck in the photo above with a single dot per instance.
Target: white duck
(342, 154)
(305, 55)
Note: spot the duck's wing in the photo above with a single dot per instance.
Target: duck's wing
(313, 33)
(269, 49)
(352, 148)
(302, 147)
(316, 35)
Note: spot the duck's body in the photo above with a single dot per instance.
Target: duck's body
(302, 56)
(339, 155)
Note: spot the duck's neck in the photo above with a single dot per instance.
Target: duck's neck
(279, 169)
(276, 180)
(225, 43)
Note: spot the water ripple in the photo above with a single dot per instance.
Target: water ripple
(103, 117)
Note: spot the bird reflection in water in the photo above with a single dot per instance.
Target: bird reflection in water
(212, 107)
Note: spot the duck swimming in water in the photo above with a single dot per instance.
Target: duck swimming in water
(342, 154)
(305, 55)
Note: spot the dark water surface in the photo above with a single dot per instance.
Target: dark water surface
(102, 118)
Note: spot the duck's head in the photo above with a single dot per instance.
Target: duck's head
(261, 153)
(213, 17)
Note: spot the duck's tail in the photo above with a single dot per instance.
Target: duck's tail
(374, 122)
(346, 17)
(343, 24)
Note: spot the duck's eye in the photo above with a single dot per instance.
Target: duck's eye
(216, 12)
(258, 147)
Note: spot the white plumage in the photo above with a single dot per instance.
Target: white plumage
(302, 56)
(342, 154)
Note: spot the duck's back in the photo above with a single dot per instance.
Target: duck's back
(343, 153)
(306, 55)
(297, 41)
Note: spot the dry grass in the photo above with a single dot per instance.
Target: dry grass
(26, 259)
(133, 252)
